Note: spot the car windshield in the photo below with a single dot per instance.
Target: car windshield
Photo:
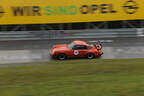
(70, 45)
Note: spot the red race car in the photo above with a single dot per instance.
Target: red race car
(76, 49)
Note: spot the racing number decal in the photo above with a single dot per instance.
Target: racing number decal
(76, 52)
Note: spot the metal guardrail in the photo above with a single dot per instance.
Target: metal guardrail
(71, 34)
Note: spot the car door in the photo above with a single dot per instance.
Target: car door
(79, 50)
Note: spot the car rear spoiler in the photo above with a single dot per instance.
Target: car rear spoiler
(98, 45)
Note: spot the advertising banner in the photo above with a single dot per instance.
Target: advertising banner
(69, 11)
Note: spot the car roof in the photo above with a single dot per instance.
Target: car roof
(80, 42)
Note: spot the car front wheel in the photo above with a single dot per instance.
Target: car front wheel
(61, 56)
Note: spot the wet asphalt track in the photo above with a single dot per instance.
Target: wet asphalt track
(33, 51)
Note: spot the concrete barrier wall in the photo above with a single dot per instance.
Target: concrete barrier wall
(71, 34)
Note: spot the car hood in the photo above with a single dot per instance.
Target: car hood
(60, 46)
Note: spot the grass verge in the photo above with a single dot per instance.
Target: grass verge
(121, 77)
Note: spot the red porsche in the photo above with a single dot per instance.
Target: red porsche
(76, 49)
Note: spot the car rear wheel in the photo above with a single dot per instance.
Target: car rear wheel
(61, 56)
(90, 56)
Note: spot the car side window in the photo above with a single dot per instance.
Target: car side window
(78, 47)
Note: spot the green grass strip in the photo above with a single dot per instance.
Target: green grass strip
(97, 77)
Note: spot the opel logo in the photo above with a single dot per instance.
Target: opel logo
(130, 7)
